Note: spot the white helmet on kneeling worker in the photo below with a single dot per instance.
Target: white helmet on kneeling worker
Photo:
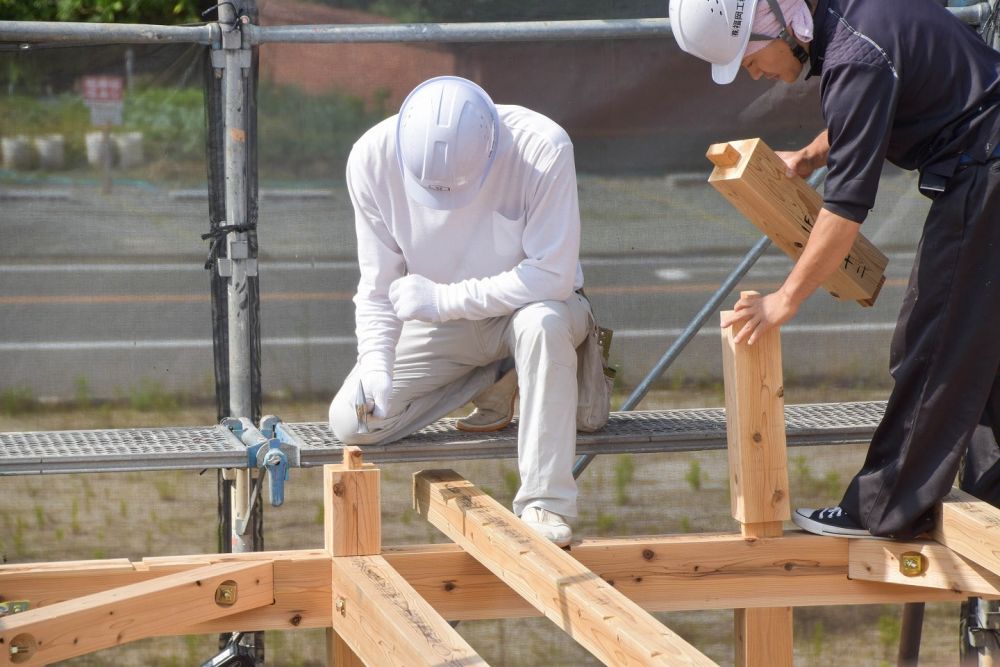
(724, 32)
(446, 139)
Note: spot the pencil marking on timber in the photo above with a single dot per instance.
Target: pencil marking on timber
(393, 596)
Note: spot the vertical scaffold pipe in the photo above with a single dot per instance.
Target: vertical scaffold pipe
(239, 262)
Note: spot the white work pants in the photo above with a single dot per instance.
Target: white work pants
(441, 367)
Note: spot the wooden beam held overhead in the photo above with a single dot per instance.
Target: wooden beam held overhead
(752, 178)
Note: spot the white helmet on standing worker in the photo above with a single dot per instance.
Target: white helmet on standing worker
(714, 30)
(446, 140)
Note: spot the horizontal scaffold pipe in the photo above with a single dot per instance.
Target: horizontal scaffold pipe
(27, 32)
(507, 31)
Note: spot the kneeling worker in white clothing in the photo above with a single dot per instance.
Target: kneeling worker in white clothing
(468, 232)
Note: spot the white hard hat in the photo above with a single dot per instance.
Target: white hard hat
(714, 30)
(446, 140)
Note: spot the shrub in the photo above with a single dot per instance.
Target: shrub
(310, 136)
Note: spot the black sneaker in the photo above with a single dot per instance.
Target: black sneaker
(828, 521)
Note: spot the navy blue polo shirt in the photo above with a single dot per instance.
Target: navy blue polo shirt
(902, 80)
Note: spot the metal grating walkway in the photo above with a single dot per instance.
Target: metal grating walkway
(215, 447)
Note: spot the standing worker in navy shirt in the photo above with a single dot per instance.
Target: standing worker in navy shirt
(904, 81)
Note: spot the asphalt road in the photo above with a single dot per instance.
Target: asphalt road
(109, 291)
(120, 325)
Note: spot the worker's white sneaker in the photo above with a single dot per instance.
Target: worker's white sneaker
(494, 406)
(549, 525)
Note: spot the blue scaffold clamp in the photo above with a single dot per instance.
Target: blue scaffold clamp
(266, 452)
(283, 452)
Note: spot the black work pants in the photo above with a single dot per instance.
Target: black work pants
(945, 360)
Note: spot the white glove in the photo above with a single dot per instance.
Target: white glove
(415, 298)
(377, 387)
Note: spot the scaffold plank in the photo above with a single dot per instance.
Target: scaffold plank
(197, 448)
(120, 450)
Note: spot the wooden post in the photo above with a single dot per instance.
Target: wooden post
(752, 178)
(758, 477)
(352, 526)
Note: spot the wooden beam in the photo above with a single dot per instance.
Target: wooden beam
(752, 178)
(301, 593)
(969, 527)
(352, 526)
(602, 620)
(919, 563)
(135, 611)
(758, 477)
(386, 622)
(666, 573)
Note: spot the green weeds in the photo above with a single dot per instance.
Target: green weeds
(624, 474)
(694, 475)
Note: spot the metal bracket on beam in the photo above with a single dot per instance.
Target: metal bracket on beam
(9, 607)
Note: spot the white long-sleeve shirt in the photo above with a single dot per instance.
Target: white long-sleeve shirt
(517, 243)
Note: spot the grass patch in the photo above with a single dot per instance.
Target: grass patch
(624, 474)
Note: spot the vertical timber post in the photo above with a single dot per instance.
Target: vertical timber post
(758, 478)
(352, 526)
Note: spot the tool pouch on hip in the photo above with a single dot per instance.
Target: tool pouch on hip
(594, 378)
